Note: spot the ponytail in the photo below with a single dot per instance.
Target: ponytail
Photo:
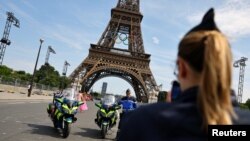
(214, 93)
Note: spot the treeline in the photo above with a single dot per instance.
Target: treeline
(46, 75)
(245, 105)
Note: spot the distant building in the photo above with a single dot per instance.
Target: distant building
(104, 87)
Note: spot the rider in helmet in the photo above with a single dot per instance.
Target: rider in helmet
(128, 96)
(128, 103)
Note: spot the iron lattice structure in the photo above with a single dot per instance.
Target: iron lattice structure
(65, 68)
(5, 41)
(49, 50)
(131, 64)
(240, 63)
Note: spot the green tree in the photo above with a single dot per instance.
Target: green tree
(47, 75)
(248, 103)
(9, 74)
(21, 75)
(5, 71)
(243, 106)
(64, 82)
(96, 95)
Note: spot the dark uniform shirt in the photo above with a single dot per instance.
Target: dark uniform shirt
(176, 121)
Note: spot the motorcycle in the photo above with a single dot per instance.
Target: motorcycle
(107, 114)
(62, 113)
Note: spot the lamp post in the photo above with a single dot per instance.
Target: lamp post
(32, 79)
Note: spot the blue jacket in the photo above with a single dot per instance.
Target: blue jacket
(170, 121)
(128, 103)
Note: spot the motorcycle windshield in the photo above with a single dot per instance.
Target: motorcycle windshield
(108, 100)
(69, 93)
(69, 102)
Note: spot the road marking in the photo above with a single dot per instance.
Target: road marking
(23, 102)
(35, 102)
(16, 103)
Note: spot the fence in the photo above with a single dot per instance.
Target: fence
(17, 85)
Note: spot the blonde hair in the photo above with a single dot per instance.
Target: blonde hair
(210, 55)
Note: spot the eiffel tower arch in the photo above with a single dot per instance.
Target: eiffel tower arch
(105, 59)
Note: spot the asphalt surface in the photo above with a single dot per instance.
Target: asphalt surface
(27, 120)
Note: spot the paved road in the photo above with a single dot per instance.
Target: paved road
(27, 120)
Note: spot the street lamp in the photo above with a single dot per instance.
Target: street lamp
(32, 79)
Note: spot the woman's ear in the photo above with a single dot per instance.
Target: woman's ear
(182, 69)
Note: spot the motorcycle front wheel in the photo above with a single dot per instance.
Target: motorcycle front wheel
(54, 120)
(66, 129)
(104, 131)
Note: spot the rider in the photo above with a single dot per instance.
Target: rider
(128, 103)
(51, 107)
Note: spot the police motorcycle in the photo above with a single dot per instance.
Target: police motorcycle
(107, 114)
(62, 111)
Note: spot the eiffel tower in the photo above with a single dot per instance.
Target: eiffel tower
(130, 64)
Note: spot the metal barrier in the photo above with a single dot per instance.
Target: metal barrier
(17, 85)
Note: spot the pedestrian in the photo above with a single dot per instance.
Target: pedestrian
(84, 100)
(204, 66)
(79, 98)
(82, 97)
(29, 88)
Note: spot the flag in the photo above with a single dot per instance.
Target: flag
(51, 50)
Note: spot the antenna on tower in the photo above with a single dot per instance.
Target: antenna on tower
(240, 63)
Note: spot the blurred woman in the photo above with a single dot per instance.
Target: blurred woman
(82, 97)
(204, 71)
